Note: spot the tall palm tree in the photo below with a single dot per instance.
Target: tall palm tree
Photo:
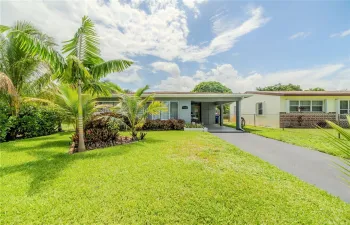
(21, 71)
(136, 109)
(82, 67)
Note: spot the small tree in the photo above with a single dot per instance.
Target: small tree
(136, 109)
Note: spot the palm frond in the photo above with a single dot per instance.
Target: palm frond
(342, 145)
(112, 66)
(74, 71)
(4, 28)
(104, 88)
(85, 43)
(140, 91)
(36, 44)
(339, 129)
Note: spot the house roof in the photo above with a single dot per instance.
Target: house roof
(193, 96)
(301, 93)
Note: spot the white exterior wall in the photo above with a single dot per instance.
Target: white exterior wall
(271, 110)
(273, 105)
(185, 114)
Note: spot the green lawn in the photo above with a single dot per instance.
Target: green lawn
(310, 138)
(171, 178)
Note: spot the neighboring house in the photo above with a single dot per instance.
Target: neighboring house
(189, 106)
(295, 108)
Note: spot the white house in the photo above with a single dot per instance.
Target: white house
(294, 108)
(189, 106)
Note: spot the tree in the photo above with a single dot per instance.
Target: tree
(25, 73)
(136, 109)
(316, 89)
(212, 87)
(66, 100)
(82, 67)
(280, 87)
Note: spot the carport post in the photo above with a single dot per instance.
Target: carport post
(221, 115)
(238, 115)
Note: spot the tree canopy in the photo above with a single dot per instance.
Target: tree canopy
(280, 87)
(316, 89)
(211, 86)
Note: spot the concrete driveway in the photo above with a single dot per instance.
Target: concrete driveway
(311, 166)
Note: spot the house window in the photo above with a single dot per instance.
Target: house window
(306, 106)
(294, 106)
(345, 107)
(259, 108)
(172, 112)
(317, 106)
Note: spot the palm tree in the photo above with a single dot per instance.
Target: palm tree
(66, 100)
(136, 109)
(21, 74)
(341, 144)
(82, 67)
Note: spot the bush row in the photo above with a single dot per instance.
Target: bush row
(171, 124)
(32, 121)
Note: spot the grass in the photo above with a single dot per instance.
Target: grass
(310, 138)
(170, 178)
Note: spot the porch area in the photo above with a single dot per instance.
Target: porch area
(216, 128)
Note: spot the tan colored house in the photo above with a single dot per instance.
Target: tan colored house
(303, 109)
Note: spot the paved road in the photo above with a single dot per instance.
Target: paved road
(311, 166)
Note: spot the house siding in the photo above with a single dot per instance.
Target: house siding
(271, 108)
(276, 111)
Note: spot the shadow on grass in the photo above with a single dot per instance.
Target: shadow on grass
(51, 163)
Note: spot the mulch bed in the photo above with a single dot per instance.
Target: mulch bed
(91, 146)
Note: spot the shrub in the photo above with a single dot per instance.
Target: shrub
(32, 121)
(100, 132)
(4, 120)
(171, 124)
(196, 125)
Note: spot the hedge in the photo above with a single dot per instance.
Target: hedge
(32, 121)
(171, 124)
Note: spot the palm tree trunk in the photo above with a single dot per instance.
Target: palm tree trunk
(81, 144)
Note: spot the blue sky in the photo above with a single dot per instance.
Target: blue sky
(177, 44)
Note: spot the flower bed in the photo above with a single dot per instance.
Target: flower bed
(195, 127)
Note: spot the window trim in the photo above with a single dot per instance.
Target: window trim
(160, 113)
(311, 105)
(340, 109)
(257, 108)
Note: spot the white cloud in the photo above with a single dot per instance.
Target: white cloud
(129, 76)
(299, 35)
(182, 83)
(226, 40)
(193, 5)
(341, 34)
(330, 77)
(128, 30)
(171, 68)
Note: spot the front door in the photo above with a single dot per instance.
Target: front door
(196, 112)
